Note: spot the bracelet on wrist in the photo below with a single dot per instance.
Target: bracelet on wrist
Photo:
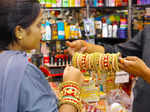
(70, 94)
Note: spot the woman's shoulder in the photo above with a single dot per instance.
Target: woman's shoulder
(33, 70)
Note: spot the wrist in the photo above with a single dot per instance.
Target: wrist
(146, 73)
(67, 108)
(84, 43)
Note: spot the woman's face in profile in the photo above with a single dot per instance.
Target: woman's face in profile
(33, 34)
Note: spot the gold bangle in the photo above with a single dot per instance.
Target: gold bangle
(69, 83)
(78, 106)
(67, 97)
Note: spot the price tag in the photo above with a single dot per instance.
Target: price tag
(122, 77)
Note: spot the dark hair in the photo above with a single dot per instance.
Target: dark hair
(13, 13)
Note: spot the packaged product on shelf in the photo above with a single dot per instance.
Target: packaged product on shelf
(95, 3)
(61, 33)
(143, 2)
(98, 28)
(100, 3)
(115, 29)
(54, 4)
(105, 28)
(125, 2)
(77, 3)
(48, 3)
(110, 31)
(65, 3)
(43, 35)
(118, 3)
(48, 31)
(67, 30)
(79, 35)
(89, 27)
(91, 3)
(54, 31)
(42, 2)
(112, 3)
(58, 3)
(75, 32)
(45, 52)
(72, 31)
(72, 3)
(83, 3)
(122, 33)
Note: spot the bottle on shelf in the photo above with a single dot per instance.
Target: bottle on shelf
(115, 29)
(104, 28)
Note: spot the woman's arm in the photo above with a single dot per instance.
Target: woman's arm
(67, 108)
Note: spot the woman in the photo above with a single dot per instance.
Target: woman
(23, 87)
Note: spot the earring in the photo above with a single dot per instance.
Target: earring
(19, 37)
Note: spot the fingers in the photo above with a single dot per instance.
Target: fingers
(131, 58)
(71, 51)
(121, 60)
(83, 49)
(70, 44)
(123, 63)
(71, 68)
(121, 66)
(67, 68)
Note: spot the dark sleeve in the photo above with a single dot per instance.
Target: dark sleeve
(35, 93)
(132, 47)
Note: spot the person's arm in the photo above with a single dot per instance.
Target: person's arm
(67, 108)
(83, 46)
(136, 66)
(146, 75)
(132, 47)
(91, 48)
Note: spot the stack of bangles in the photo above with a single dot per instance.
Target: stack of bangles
(97, 62)
(70, 94)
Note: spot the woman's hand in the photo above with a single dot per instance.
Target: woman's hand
(73, 74)
(133, 65)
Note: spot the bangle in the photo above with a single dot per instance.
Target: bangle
(69, 83)
(74, 60)
(70, 94)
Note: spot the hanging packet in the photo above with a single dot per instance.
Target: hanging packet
(89, 27)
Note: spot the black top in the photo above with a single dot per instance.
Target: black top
(138, 46)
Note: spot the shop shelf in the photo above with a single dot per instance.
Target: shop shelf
(142, 6)
(110, 40)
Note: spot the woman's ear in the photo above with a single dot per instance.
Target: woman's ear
(19, 31)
